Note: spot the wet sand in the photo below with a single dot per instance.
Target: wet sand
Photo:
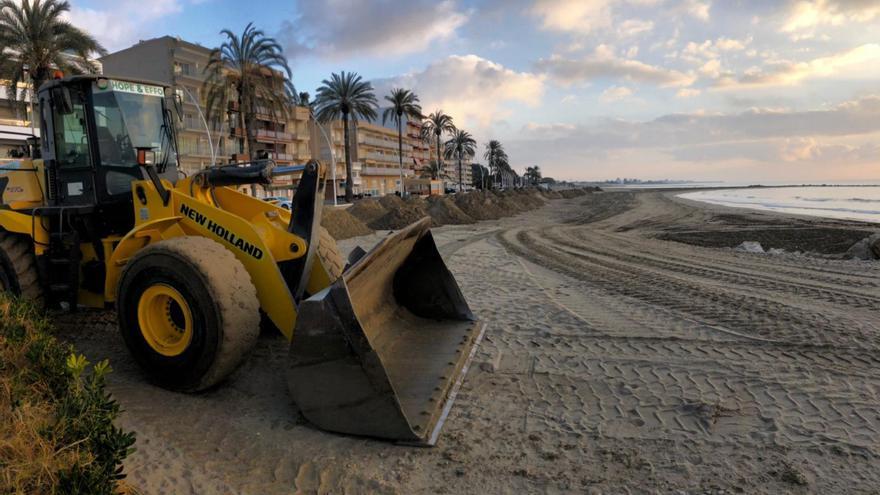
(629, 350)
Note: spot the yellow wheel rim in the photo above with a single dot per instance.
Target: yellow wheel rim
(165, 320)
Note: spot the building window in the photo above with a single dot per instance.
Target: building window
(184, 68)
(189, 121)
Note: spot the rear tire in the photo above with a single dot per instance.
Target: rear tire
(211, 318)
(18, 267)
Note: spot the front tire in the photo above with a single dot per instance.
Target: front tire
(188, 312)
(329, 255)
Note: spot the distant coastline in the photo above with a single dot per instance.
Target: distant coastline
(838, 201)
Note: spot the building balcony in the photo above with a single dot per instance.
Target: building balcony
(263, 134)
(302, 113)
(380, 157)
(284, 157)
(383, 143)
(386, 171)
(16, 123)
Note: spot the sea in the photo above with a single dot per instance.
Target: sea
(841, 201)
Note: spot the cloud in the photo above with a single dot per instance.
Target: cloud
(615, 93)
(603, 64)
(118, 24)
(688, 93)
(343, 28)
(572, 15)
(584, 16)
(694, 52)
(476, 92)
(808, 15)
(847, 131)
(698, 9)
(634, 27)
(860, 61)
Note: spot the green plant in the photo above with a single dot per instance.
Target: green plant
(56, 419)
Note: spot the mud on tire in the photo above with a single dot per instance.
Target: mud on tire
(328, 253)
(224, 308)
(18, 267)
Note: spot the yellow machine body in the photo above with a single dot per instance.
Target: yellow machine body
(252, 229)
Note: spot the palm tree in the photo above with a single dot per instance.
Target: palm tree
(436, 125)
(434, 170)
(495, 157)
(461, 146)
(35, 39)
(252, 71)
(304, 99)
(404, 103)
(533, 175)
(346, 95)
(478, 176)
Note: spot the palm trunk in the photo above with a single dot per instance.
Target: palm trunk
(440, 167)
(400, 152)
(251, 145)
(349, 179)
(459, 172)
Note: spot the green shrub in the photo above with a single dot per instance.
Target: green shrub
(56, 418)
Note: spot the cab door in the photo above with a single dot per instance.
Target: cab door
(69, 152)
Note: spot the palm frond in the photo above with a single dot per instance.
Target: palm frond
(35, 38)
(252, 70)
(347, 94)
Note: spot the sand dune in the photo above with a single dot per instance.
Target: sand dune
(616, 361)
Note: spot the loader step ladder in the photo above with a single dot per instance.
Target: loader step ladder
(62, 270)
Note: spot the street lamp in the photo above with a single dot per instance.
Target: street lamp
(205, 122)
(332, 159)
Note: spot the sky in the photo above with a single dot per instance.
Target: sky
(735, 90)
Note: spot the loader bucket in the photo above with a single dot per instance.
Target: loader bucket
(383, 350)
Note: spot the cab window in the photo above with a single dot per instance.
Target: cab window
(71, 138)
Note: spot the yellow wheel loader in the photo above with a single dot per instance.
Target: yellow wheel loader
(99, 217)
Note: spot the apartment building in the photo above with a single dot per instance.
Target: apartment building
(378, 151)
(15, 120)
(451, 180)
(420, 155)
(181, 64)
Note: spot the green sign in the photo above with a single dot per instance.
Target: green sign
(131, 87)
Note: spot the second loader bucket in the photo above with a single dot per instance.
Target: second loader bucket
(383, 350)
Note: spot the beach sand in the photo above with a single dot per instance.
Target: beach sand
(629, 350)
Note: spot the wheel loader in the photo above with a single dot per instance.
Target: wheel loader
(100, 217)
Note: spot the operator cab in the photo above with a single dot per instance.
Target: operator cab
(92, 129)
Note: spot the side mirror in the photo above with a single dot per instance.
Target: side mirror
(62, 101)
(146, 157)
